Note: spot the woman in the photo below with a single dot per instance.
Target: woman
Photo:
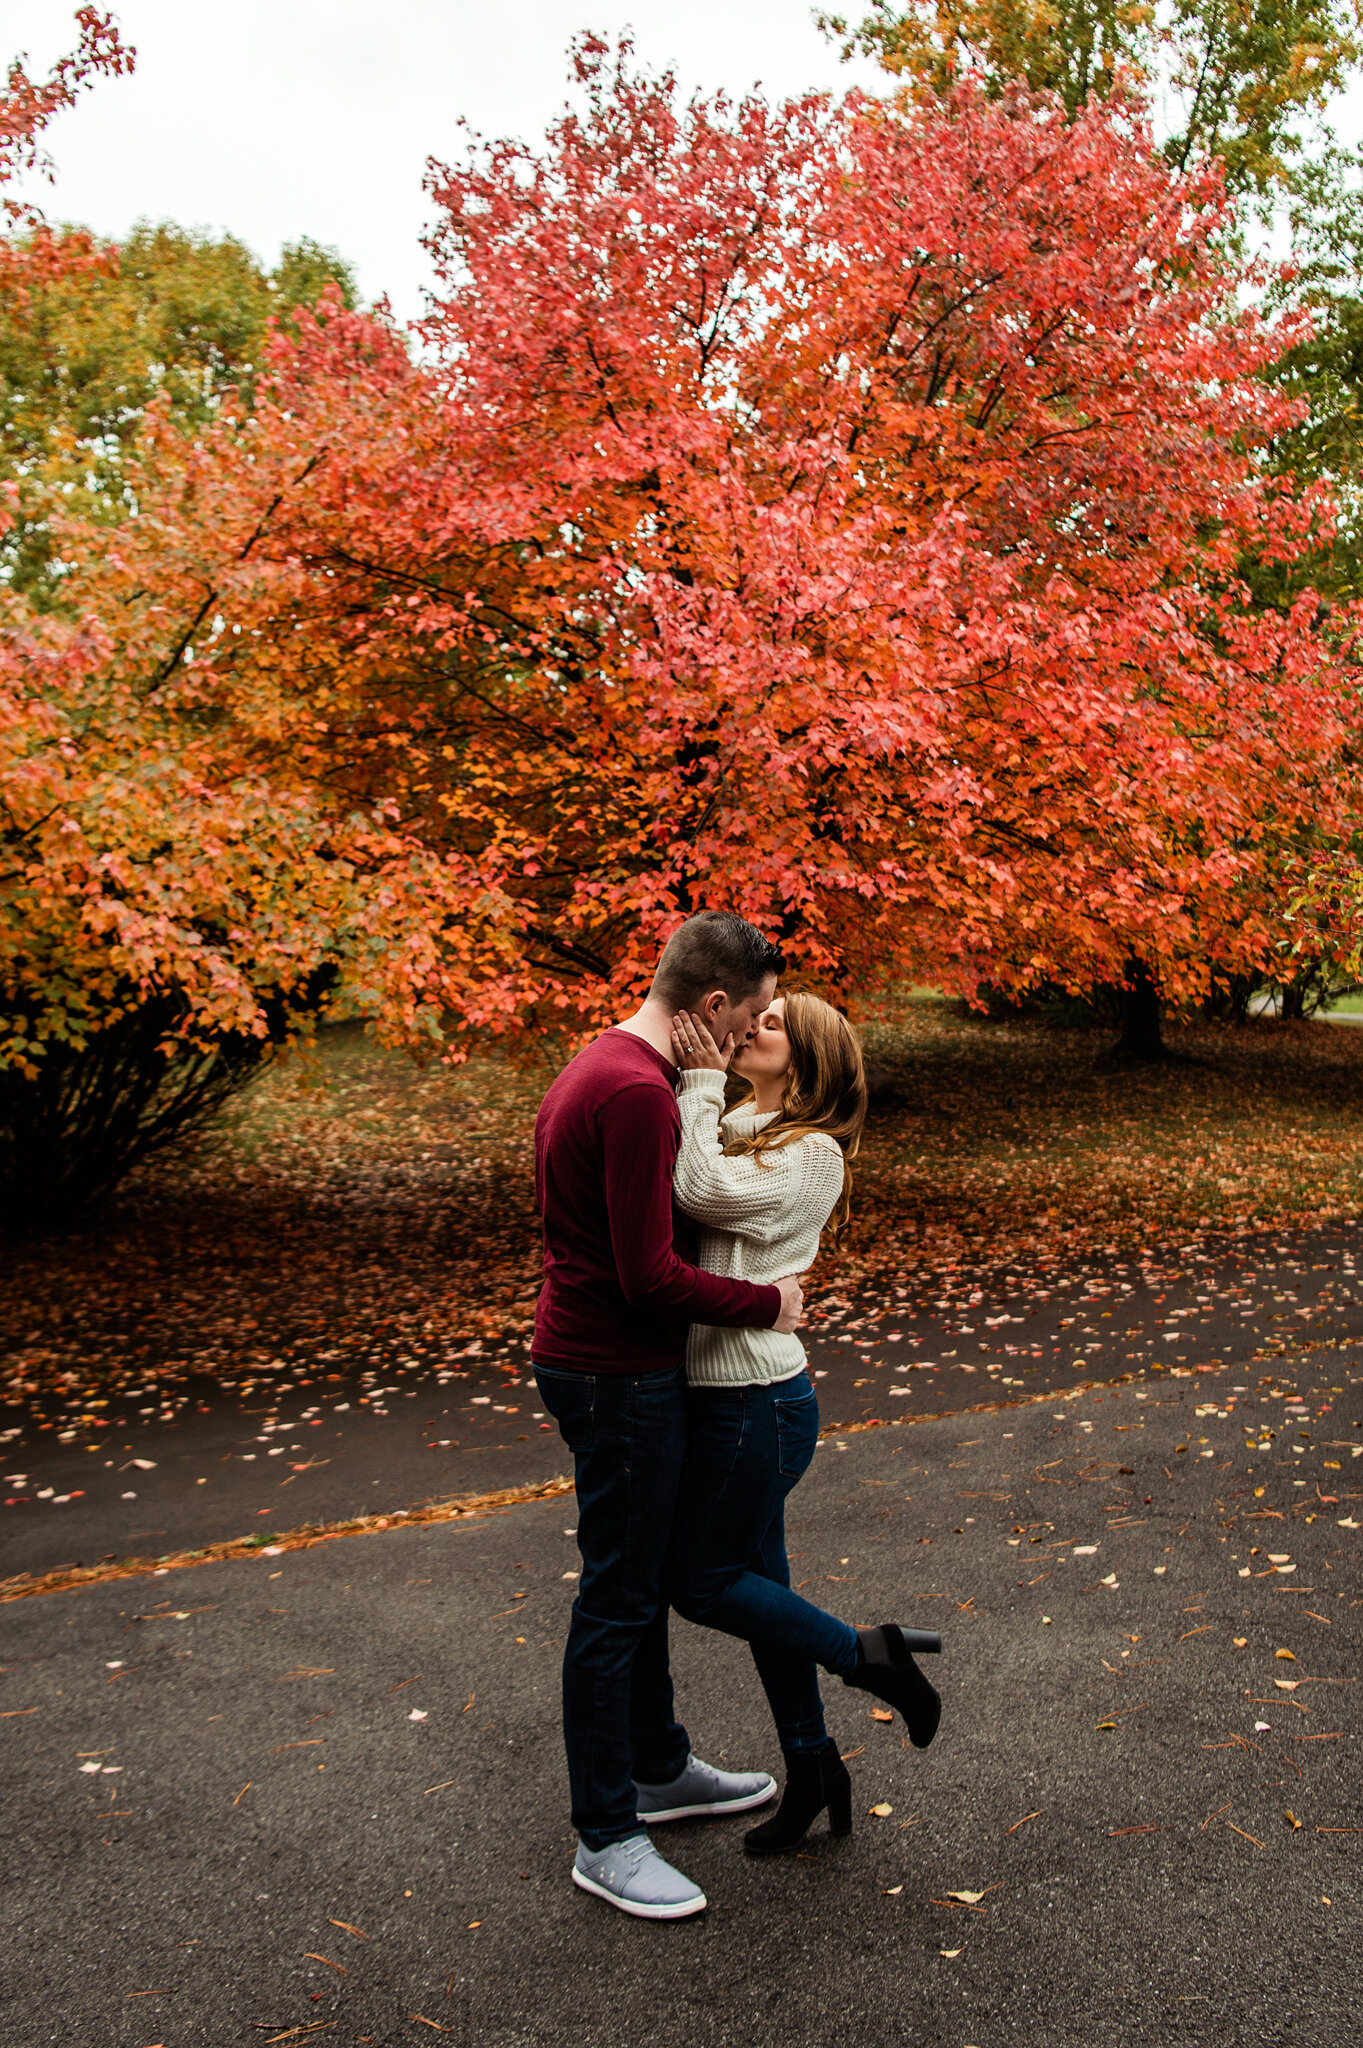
(764, 1183)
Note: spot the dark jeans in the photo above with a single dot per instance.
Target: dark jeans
(627, 1434)
(746, 1448)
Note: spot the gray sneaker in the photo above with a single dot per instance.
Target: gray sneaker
(702, 1789)
(634, 1877)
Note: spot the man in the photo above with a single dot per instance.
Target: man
(609, 1350)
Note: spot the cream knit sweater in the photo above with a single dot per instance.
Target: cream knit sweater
(759, 1221)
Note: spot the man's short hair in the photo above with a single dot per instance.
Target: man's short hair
(715, 949)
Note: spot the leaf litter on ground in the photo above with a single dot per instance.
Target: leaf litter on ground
(355, 1215)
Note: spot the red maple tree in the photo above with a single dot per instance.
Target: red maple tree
(837, 512)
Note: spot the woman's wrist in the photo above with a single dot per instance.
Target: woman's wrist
(703, 1081)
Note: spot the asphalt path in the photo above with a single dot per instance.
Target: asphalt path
(320, 1794)
(199, 1461)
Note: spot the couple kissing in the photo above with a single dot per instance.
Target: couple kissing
(665, 1348)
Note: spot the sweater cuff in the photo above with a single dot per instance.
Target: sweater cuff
(703, 1081)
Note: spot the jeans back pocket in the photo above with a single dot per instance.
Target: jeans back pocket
(570, 1398)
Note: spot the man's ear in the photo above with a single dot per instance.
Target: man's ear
(712, 1004)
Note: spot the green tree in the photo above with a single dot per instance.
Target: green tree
(101, 330)
(1247, 76)
(1327, 371)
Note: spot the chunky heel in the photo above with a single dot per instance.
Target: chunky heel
(815, 1779)
(886, 1668)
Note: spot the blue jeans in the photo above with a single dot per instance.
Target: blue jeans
(627, 1434)
(746, 1449)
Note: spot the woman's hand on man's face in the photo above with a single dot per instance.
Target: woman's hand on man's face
(694, 1049)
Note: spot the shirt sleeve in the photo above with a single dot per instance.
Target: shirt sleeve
(755, 1198)
(639, 1141)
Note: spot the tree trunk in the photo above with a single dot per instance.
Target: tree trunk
(1142, 1038)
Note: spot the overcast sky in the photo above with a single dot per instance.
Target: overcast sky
(280, 118)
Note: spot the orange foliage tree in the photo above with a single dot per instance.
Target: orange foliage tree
(201, 829)
(198, 832)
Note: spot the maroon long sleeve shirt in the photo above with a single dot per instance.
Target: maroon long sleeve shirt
(618, 1295)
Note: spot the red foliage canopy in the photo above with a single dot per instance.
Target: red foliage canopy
(840, 517)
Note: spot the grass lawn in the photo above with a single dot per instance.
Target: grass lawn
(352, 1208)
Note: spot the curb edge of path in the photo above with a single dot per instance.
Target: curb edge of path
(453, 1508)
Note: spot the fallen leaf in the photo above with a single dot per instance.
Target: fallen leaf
(1239, 1641)
(891, 1891)
(882, 1810)
(949, 1952)
(1290, 1655)
(967, 1898)
(1292, 1820)
(1287, 1684)
(881, 1714)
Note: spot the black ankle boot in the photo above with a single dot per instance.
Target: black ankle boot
(815, 1779)
(885, 1667)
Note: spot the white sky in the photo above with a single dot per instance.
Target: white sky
(280, 118)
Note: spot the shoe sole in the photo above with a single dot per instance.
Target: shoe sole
(744, 1805)
(637, 1907)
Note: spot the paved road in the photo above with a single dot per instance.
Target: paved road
(284, 1447)
(211, 1773)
